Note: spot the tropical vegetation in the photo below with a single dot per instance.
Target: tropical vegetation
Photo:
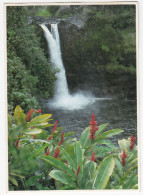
(42, 157)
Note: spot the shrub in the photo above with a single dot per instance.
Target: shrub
(46, 160)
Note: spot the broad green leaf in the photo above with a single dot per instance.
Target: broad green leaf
(68, 158)
(130, 158)
(33, 131)
(62, 177)
(12, 150)
(130, 182)
(40, 118)
(134, 161)
(84, 138)
(33, 141)
(101, 128)
(18, 138)
(69, 134)
(123, 144)
(45, 126)
(15, 170)
(78, 154)
(129, 171)
(119, 166)
(79, 158)
(43, 136)
(116, 176)
(108, 133)
(39, 151)
(88, 172)
(69, 140)
(135, 186)
(13, 173)
(31, 181)
(13, 181)
(20, 118)
(58, 164)
(58, 184)
(106, 142)
(43, 123)
(104, 172)
(70, 151)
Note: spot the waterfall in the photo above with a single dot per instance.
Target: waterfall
(61, 86)
(62, 98)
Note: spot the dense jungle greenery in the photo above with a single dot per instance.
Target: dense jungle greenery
(41, 158)
(29, 71)
(107, 44)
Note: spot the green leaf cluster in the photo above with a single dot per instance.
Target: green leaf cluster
(29, 72)
(31, 168)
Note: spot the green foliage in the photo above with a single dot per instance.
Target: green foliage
(22, 150)
(89, 177)
(44, 13)
(20, 84)
(113, 36)
(103, 173)
(29, 71)
(32, 168)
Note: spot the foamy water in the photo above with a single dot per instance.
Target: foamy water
(72, 102)
(62, 98)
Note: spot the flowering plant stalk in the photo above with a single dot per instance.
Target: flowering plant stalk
(93, 128)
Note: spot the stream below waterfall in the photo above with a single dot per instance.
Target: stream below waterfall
(119, 114)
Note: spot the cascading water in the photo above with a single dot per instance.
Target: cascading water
(61, 86)
(62, 98)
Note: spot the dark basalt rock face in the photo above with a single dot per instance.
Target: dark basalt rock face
(78, 22)
(80, 68)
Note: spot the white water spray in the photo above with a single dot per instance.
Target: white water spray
(62, 98)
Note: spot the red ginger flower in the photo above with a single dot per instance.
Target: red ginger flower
(66, 162)
(59, 143)
(78, 171)
(17, 143)
(48, 152)
(62, 139)
(93, 127)
(55, 127)
(123, 157)
(49, 138)
(132, 140)
(34, 136)
(38, 111)
(57, 152)
(92, 158)
(29, 114)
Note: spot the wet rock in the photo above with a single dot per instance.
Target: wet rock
(68, 22)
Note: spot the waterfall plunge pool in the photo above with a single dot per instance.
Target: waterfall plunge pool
(119, 114)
